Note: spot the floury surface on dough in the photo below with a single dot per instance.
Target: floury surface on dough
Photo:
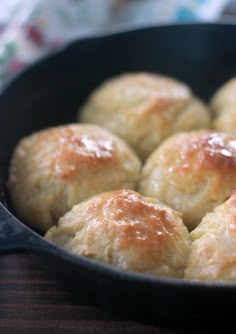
(223, 105)
(213, 251)
(123, 228)
(55, 168)
(144, 109)
(191, 172)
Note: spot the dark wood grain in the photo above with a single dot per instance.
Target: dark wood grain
(31, 301)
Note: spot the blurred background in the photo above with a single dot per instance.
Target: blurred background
(30, 29)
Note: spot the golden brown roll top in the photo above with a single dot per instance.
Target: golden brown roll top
(124, 229)
(192, 172)
(144, 109)
(56, 168)
(213, 251)
(223, 104)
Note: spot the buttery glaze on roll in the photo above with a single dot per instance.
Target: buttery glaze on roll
(144, 109)
(124, 229)
(213, 251)
(55, 168)
(192, 172)
(223, 104)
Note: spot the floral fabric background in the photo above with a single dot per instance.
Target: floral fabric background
(30, 29)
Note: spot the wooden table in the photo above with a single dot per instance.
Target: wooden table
(31, 301)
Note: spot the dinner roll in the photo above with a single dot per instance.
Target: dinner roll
(192, 172)
(213, 251)
(58, 167)
(223, 104)
(124, 229)
(144, 109)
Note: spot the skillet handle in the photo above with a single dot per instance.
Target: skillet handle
(15, 237)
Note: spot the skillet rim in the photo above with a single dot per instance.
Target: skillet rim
(88, 263)
(125, 29)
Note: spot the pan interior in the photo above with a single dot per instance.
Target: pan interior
(51, 91)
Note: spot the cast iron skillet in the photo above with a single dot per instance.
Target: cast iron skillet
(49, 93)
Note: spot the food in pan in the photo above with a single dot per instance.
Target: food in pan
(223, 105)
(55, 168)
(192, 172)
(127, 230)
(144, 109)
(76, 182)
(213, 251)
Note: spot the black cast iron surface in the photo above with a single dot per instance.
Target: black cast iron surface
(50, 92)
